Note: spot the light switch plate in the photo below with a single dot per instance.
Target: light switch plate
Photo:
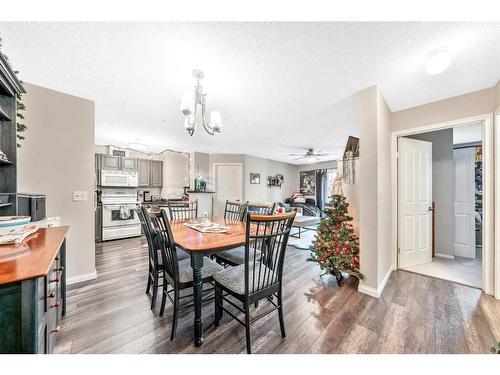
(80, 196)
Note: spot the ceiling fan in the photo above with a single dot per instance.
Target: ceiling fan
(310, 154)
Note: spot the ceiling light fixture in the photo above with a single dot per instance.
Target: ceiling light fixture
(189, 109)
(438, 61)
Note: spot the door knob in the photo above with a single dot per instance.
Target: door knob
(431, 209)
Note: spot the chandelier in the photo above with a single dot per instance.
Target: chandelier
(190, 109)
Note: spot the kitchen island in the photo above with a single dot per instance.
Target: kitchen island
(33, 291)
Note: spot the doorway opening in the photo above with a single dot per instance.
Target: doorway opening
(440, 203)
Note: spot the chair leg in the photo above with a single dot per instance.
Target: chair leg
(176, 314)
(280, 314)
(148, 286)
(247, 328)
(218, 305)
(155, 289)
(163, 297)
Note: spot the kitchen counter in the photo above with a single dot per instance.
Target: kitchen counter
(31, 258)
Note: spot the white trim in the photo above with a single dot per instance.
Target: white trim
(447, 256)
(81, 278)
(497, 204)
(372, 291)
(491, 173)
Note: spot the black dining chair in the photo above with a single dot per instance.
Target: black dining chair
(258, 208)
(155, 267)
(179, 210)
(177, 274)
(259, 277)
(234, 211)
(155, 264)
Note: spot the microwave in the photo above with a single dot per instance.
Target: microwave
(119, 178)
(31, 205)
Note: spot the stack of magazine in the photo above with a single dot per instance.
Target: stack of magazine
(18, 236)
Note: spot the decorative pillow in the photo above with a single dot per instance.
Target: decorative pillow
(285, 206)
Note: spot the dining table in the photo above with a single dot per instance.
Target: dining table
(198, 245)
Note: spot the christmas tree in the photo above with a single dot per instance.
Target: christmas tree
(336, 247)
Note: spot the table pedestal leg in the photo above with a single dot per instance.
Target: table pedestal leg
(197, 264)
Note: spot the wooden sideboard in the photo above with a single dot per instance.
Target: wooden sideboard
(33, 291)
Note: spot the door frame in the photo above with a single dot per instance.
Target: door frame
(489, 177)
(214, 167)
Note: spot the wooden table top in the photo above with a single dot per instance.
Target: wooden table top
(191, 240)
(31, 258)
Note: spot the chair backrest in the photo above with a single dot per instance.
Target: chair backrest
(235, 210)
(163, 237)
(152, 247)
(179, 210)
(266, 242)
(256, 208)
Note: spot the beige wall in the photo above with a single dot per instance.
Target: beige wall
(375, 203)
(468, 105)
(175, 173)
(384, 188)
(56, 159)
(199, 165)
(368, 195)
(321, 165)
(267, 167)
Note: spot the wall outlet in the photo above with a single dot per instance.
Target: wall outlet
(80, 196)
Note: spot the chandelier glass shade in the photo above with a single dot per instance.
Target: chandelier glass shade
(194, 108)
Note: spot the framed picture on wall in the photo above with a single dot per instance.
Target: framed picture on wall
(308, 182)
(255, 178)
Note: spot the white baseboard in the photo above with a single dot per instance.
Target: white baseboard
(81, 278)
(447, 256)
(375, 292)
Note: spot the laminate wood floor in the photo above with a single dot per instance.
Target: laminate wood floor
(415, 314)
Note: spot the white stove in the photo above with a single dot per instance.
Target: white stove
(119, 219)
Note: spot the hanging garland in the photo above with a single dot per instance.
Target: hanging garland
(21, 127)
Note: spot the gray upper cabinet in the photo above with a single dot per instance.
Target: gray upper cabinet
(144, 168)
(109, 162)
(128, 164)
(150, 171)
(156, 173)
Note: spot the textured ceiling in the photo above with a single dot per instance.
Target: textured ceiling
(280, 87)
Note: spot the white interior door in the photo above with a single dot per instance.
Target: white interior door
(414, 201)
(228, 185)
(464, 207)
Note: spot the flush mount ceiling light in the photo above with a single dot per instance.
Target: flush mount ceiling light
(438, 61)
(189, 108)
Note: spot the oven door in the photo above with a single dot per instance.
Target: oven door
(114, 215)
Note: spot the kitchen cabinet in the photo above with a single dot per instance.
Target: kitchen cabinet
(128, 164)
(33, 294)
(144, 168)
(150, 172)
(109, 162)
(156, 179)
